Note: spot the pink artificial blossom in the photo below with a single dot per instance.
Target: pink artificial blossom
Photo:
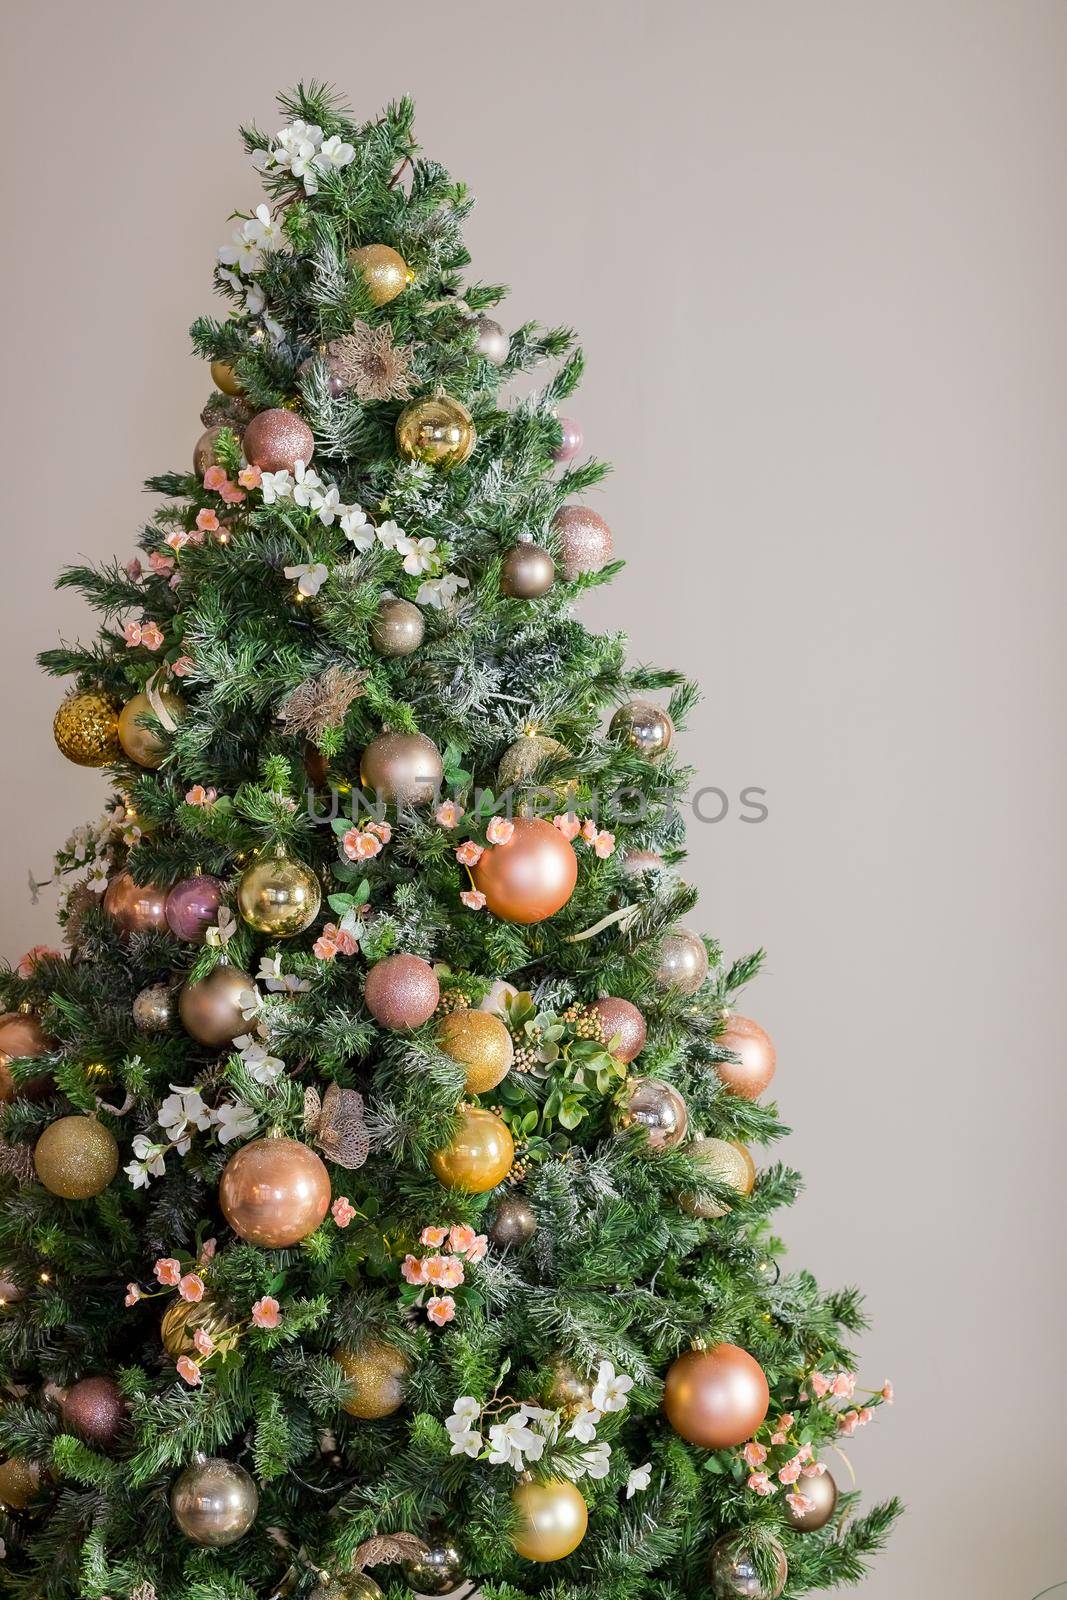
(469, 853)
(199, 796)
(177, 540)
(604, 844)
(445, 1271)
(207, 521)
(433, 1238)
(843, 1386)
(568, 825)
(499, 830)
(325, 946)
(799, 1504)
(203, 1342)
(588, 830)
(805, 1453)
(791, 1471)
(413, 1269)
(887, 1392)
(266, 1313)
(151, 636)
(250, 477)
(820, 1386)
(183, 666)
(36, 953)
(473, 899)
(814, 1469)
(440, 1308)
(865, 1414)
(208, 1248)
(132, 634)
(214, 477)
(848, 1423)
(448, 814)
(162, 565)
(191, 1287)
(782, 1427)
(189, 1370)
(231, 495)
(342, 1211)
(759, 1483)
(380, 830)
(754, 1455)
(168, 1271)
(358, 845)
(134, 1292)
(134, 569)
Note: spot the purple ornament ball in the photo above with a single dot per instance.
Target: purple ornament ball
(193, 907)
(571, 442)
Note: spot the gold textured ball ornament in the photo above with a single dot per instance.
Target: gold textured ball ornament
(147, 746)
(716, 1398)
(735, 1576)
(377, 1374)
(76, 1158)
(683, 961)
(279, 896)
(277, 439)
(402, 768)
(274, 1192)
(20, 1482)
(658, 1108)
(553, 1518)
(383, 270)
(527, 572)
(478, 1156)
(183, 1319)
(521, 759)
(214, 1502)
(643, 728)
(532, 876)
(480, 1041)
(213, 1009)
(436, 430)
(822, 1492)
(722, 1161)
(86, 728)
(398, 628)
(135, 907)
(225, 378)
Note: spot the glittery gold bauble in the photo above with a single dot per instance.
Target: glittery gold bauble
(659, 1109)
(279, 896)
(522, 758)
(436, 1570)
(277, 439)
(822, 1492)
(478, 1156)
(644, 728)
(204, 451)
(86, 728)
(527, 572)
(148, 746)
(401, 991)
(398, 628)
(532, 876)
(722, 1161)
(76, 1158)
(377, 1376)
(274, 1192)
(225, 378)
(183, 1319)
(436, 430)
(734, 1575)
(348, 1586)
(552, 1520)
(212, 1010)
(716, 1398)
(21, 1038)
(384, 271)
(568, 1390)
(214, 1502)
(683, 961)
(482, 1043)
(135, 907)
(402, 768)
(514, 1222)
(748, 1077)
(585, 541)
(19, 1482)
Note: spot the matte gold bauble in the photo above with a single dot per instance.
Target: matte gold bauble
(86, 728)
(95, 1410)
(643, 728)
(585, 541)
(225, 378)
(277, 439)
(748, 1077)
(76, 1158)
(514, 1222)
(377, 1375)
(490, 341)
(401, 991)
(683, 961)
(21, 1038)
(214, 1502)
(398, 628)
(183, 1319)
(553, 1518)
(204, 450)
(274, 1192)
(659, 1109)
(822, 1492)
(521, 759)
(148, 746)
(479, 1154)
(436, 430)
(527, 572)
(624, 1027)
(383, 270)
(722, 1161)
(734, 1575)
(716, 1398)
(436, 1570)
(568, 1390)
(532, 876)
(279, 896)
(135, 907)
(402, 768)
(482, 1043)
(213, 1010)
(19, 1483)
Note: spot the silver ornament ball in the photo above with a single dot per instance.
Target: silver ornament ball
(491, 341)
(659, 1109)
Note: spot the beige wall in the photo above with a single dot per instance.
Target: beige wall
(816, 250)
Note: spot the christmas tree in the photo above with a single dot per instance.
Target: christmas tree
(379, 1212)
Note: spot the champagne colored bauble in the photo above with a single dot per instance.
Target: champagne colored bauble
(585, 541)
(148, 746)
(659, 1109)
(521, 759)
(568, 1390)
(76, 1158)
(377, 1376)
(532, 876)
(514, 1223)
(481, 1042)
(183, 1319)
(402, 768)
(154, 1009)
(401, 992)
(570, 441)
(19, 1483)
(436, 1570)
(21, 1038)
(624, 1027)
(734, 1575)
(10, 1292)
(682, 962)
(527, 572)
(383, 270)
(490, 341)
(204, 450)
(822, 1492)
(135, 907)
(643, 728)
(398, 629)
(274, 1192)
(479, 1155)
(279, 896)
(95, 1410)
(748, 1077)
(193, 907)
(213, 1010)
(722, 1161)
(276, 440)
(225, 378)
(552, 1520)
(86, 728)
(214, 1502)
(634, 862)
(716, 1398)
(436, 430)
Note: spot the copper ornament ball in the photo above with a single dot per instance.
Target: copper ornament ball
(76, 1157)
(659, 1109)
(553, 1519)
(401, 991)
(276, 440)
(490, 341)
(716, 1398)
(822, 1492)
(212, 1010)
(479, 1154)
(135, 907)
(734, 1575)
(624, 1027)
(377, 1374)
(436, 430)
(585, 540)
(214, 1502)
(402, 768)
(722, 1161)
(748, 1077)
(148, 746)
(86, 728)
(279, 896)
(225, 378)
(95, 1410)
(398, 629)
(481, 1043)
(514, 1223)
(21, 1038)
(532, 876)
(192, 907)
(682, 962)
(643, 728)
(527, 572)
(274, 1192)
(20, 1482)
(383, 270)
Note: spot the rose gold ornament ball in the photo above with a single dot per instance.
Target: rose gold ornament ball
(274, 1192)
(822, 1492)
(635, 862)
(748, 1077)
(213, 1009)
(136, 907)
(716, 1398)
(585, 540)
(659, 1109)
(624, 1027)
(401, 992)
(276, 440)
(532, 876)
(95, 1410)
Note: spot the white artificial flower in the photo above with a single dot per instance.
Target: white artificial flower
(418, 554)
(611, 1388)
(96, 879)
(234, 1120)
(639, 1480)
(596, 1463)
(182, 1114)
(334, 153)
(513, 1443)
(272, 977)
(439, 593)
(465, 1411)
(149, 1161)
(306, 484)
(389, 533)
(219, 936)
(264, 230)
(467, 1444)
(583, 1428)
(243, 253)
(274, 330)
(276, 486)
(356, 529)
(310, 576)
(327, 505)
(255, 300)
(3, 1550)
(262, 1066)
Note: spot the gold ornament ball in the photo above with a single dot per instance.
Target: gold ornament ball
(183, 1319)
(822, 1492)
(527, 572)
(683, 961)
(383, 270)
(481, 1042)
(659, 1109)
(490, 341)
(734, 1575)
(716, 1398)
(531, 877)
(214, 1502)
(436, 1570)
(553, 1518)
(585, 541)
(21, 1038)
(148, 746)
(514, 1223)
(748, 1077)
(154, 1009)
(19, 1483)
(402, 768)
(401, 991)
(377, 1376)
(274, 1192)
(279, 896)
(76, 1158)
(398, 629)
(568, 1390)
(349, 1586)
(521, 759)
(277, 439)
(643, 728)
(436, 430)
(204, 450)
(86, 728)
(225, 378)
(212, 1010)
(723, 1161)
(135, 907)
(478, 1156)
